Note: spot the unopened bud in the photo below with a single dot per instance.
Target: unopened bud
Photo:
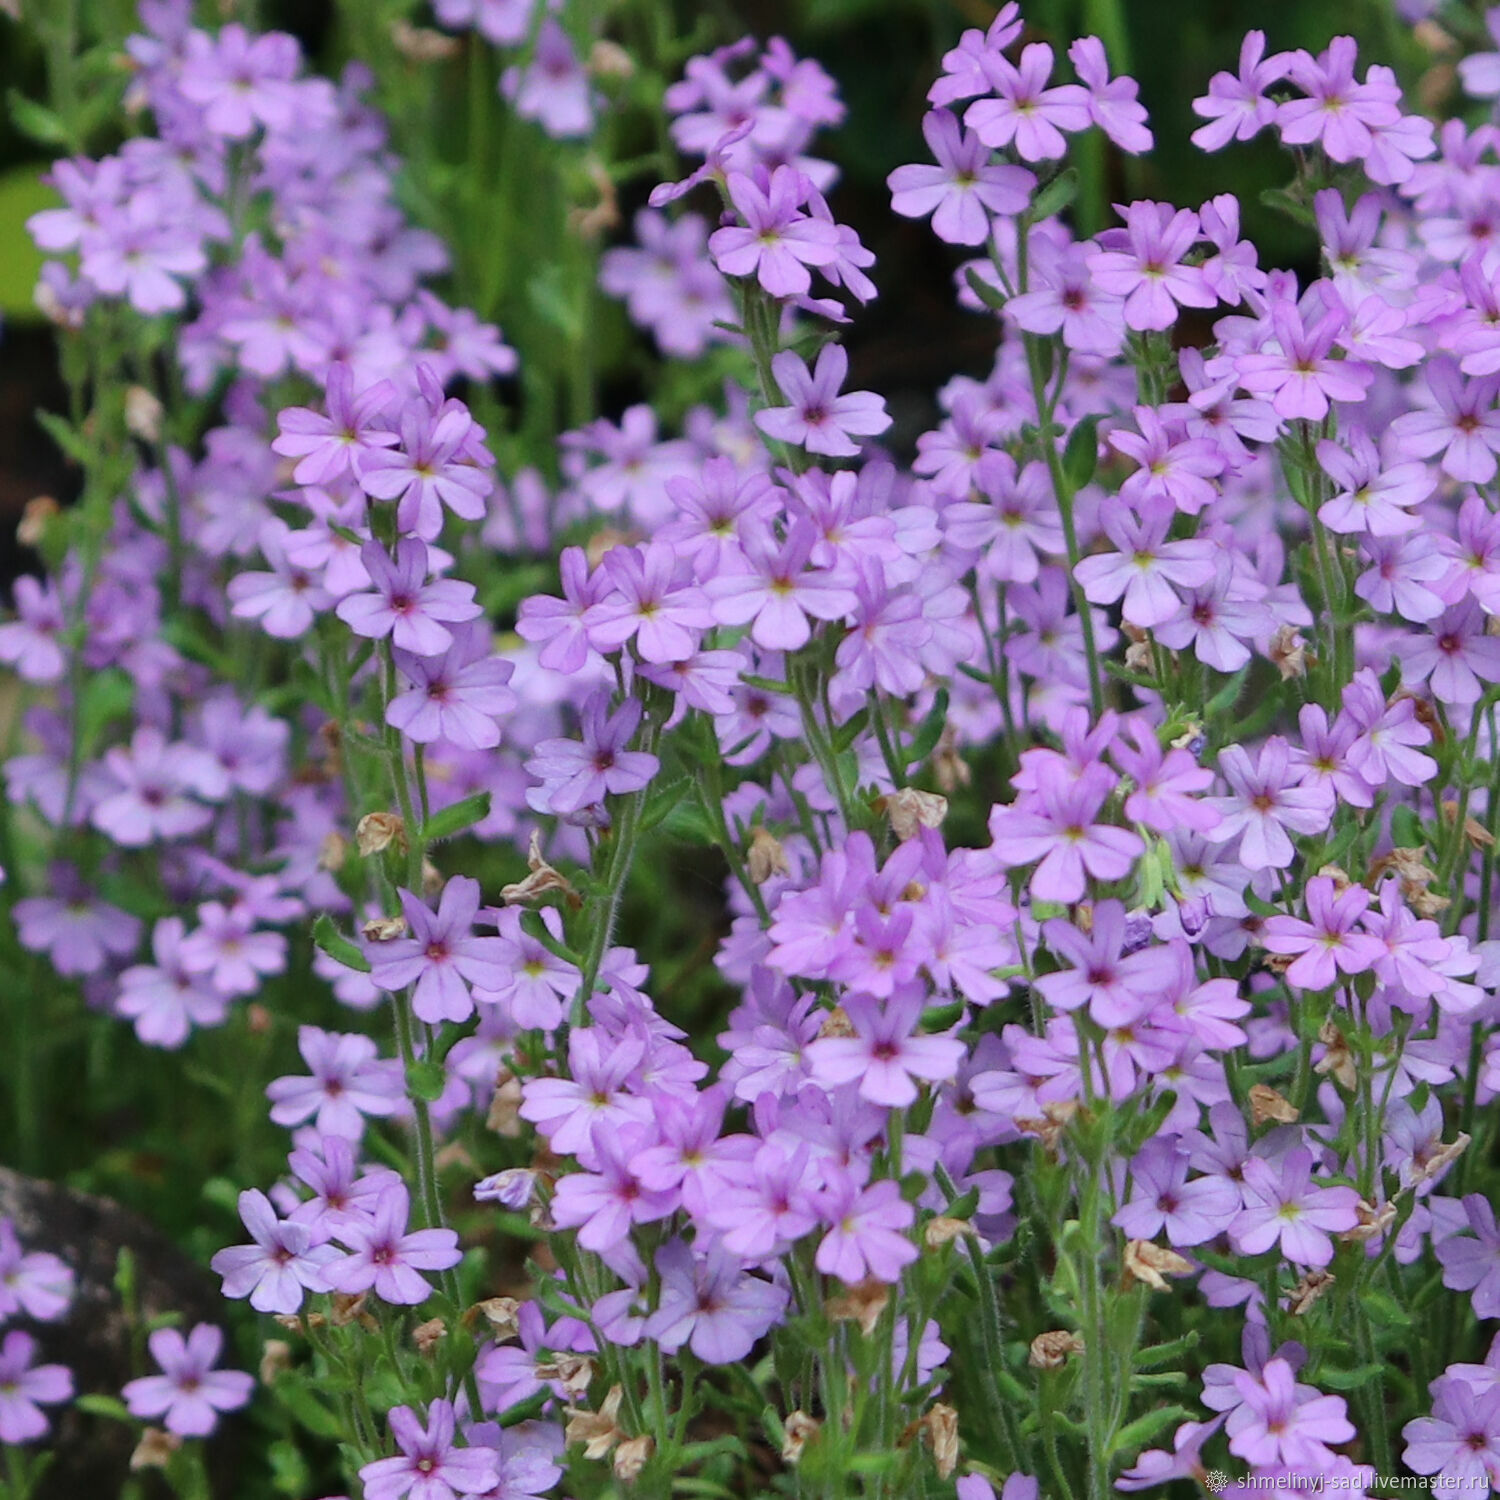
(862, 1303)
(798, 1431)
(275, 1356)
(503, 1315)
(383, 929)
(421, 44)
(1267, 1104)
(610, 60)
(1338, 1060)
(542, 879)
(1289, 653)
(940, 1426)
(143, 414)
(35, 518)
(765, 856)
(427, 1336)
(155, 1450)
(598, 1431)
(504, 1117)
(1307, 1291)
(332, 852)
(910, 811)
(631, 1456)
(379, 831)
(1050, 1351)
(836, 1023)
(1373, 1222)
(941, 1230)
(1152, 1264)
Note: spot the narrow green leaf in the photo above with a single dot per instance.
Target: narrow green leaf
(1056, 196)
(452, 820)
(1081, 455)
(992, 297)
(337, 946)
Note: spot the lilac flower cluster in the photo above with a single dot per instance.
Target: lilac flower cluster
(1106, 798)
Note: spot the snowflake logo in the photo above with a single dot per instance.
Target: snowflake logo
(1216, 1480)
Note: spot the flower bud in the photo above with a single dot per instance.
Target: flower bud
(379, 831)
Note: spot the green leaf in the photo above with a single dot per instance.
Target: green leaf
(1136, 1435)
(67, 437)
(1384, 1310)
(337, 946)
(992, 297)
(1081, 456)
(1406, 828)
(846, 734)
(1228, 695)
(452, 820)
(930, 731)
(1283, 202)
(44, 126)
(22, 193)
(1056, 196)
(427, 1079)
(1350, 1380)
(103, 1406)
(299, 1396)
(663, 801)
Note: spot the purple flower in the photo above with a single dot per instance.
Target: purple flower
(963, 189)
(242, 81)
(603, 1204)
(1339, 113)
(165, 999)
(154, 789)
(329, 447)
(1143, 264)
(430, 1466)
(1301, 377)
(883, 1054)
(1459, 421)
(287, 599)
(189, 1393)
(576, 775)
(710, 1303)
(1163, 1198)
(284, 1261)
(25, 1388)
(566, 1110)
(1056, 825)
(1236, 107)
(438, 463)
(1460, 1441)
(773, 587)
(1114, 103)
(441, 957)
(406, 604)
(227, 949)
(1327, 945)
(1282, 1206)
(558, 624)
(349, 1081)
(29, 642)
(649, 603)
(456, 696)
(1473, 1264)
(78, 932)
(1027, 113)
(818, 418)
(1278, 1421)
(35, 1283)
(1266, 804)
(1117, 986)
(554, 88)
(1145, 565)
(386, 1258)
(1455, 655)
(1371, 498)
(778, 241)
(867, 1230)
